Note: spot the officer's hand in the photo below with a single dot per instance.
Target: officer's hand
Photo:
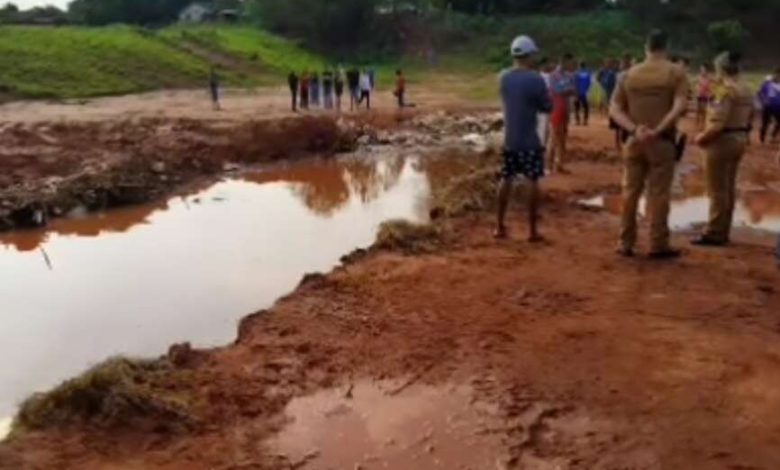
(644, 134)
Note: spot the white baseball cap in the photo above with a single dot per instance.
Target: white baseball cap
(523, 46)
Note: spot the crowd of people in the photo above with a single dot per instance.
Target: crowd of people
(313, 90)
(310, 90)
(645, 101)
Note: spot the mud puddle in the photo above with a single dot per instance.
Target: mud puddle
(757, 210)
(136, 280)
(384, 425)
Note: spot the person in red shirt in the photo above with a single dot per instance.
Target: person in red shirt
(562, 90)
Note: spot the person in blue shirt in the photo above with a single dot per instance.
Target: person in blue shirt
(524, 95)
(582, 81)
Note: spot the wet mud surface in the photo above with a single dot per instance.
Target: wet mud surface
(483, 354)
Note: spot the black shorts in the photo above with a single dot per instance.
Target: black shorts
(528, 163)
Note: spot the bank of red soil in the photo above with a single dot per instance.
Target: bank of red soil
(633, 364)
(47, 170)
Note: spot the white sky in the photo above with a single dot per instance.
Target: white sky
(24, 4)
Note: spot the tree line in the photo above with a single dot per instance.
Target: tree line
(385, 25)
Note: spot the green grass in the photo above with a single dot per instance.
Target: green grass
(247, 44)
(78, 62)
(42, 62)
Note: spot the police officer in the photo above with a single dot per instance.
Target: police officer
(648, 101)
(724, 142)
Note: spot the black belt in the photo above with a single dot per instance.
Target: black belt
(737, 130)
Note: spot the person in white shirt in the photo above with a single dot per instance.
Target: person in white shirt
(365, 89)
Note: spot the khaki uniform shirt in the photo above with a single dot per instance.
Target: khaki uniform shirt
(648, 90)
(731, 109)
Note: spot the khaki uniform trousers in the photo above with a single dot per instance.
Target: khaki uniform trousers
(649, 166)
(721, 163)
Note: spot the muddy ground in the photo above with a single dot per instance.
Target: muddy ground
(569, 357)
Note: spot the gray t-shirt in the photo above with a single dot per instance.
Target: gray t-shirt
(525, 95)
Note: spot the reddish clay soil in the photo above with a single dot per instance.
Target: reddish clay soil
(589, 361)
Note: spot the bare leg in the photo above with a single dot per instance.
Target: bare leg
(533, 212)
(504, 193)
(559, 164)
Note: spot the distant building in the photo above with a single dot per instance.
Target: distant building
(195, 13)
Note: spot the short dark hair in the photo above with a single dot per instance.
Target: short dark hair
(657, 41)
(568, 56)
(583, 64)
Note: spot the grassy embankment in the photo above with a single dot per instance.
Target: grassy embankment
(75, 62)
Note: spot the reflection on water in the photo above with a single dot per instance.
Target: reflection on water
(758, 210)
(135, 280)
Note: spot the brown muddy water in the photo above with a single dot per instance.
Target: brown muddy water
(391, 426)
(756, 210)
(134, 281)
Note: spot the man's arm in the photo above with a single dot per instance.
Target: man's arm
(618, 109)
(679, 107)
(543, 101)
(716, 122)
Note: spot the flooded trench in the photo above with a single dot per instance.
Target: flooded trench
(134, 281)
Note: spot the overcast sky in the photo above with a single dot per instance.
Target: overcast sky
(24, 4)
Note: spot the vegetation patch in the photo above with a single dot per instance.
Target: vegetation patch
(471, 192)
(408, 237)
(118, 392)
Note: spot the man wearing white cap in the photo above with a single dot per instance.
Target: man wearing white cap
(524, 95)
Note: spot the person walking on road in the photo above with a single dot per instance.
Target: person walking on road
(563, 90)
(214, 88)
(365, 90)
(769, 98)
(292, 82)
(648, 102)
(724, 142)
(524, 96)
(583, 82)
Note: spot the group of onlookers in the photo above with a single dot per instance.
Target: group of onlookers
(310, 89)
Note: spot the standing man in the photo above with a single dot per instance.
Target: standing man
(769, 97)
(608, 81)
(292, 82)
(524, 95)
(353, 82)
(214, 88)
(327, 89)
(648, 101)
(562, 89)
(583, 83)
(703, 95)
(338, 86)
(365, 90)
(305, 86)
(314, 94)
(400, 87)
(724, 141)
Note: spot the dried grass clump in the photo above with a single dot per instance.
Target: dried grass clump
(117, 392)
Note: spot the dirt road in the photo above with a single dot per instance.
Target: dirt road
(479, 354)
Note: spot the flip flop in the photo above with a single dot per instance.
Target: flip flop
(667, 254)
